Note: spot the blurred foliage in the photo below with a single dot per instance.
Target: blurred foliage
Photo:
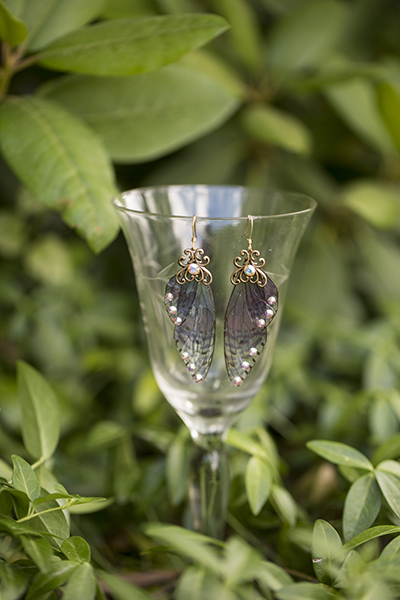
(297, 94)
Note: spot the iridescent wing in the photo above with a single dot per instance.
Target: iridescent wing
(194, 320)
(250, 310)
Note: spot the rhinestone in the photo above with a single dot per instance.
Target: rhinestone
(249, 270)
(193, 269)
(178, 321)
(245, 366)
(172, 310)
(192, 367)
(198, 377)
(260, 323)
(253, 351)
(269, 313)
(237, 380)
(272, 300)
(185, 356)
(169, 297)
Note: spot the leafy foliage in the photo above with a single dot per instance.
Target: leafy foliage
(107, 94)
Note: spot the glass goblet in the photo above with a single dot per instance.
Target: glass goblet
(158, 225)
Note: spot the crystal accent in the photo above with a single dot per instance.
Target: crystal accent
(253, 352)
(198, 377)
(178, 321)
(169, 297)
(245, 366)
(193, 269)
(192, 367)
(260, 323)
(249, 270)
(185, 356)
(237, 380)
(269, 313)
(272, 300)
(172, 310)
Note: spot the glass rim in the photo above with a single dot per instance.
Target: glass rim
(296, 196)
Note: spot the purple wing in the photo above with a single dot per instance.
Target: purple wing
(250, 310)
(194, 319)
(179, 299)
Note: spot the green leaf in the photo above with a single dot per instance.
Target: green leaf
(276, 127)
(53, 522)
(48, 20)
(39, 550)
(82, 584)
(57, 574)
(392, 547)
(188, 543)
(62, 162)
(88, 507)
(9, 526)
(5, 469)
(136, 127)
(389, 466)
(284, 504)
(77, 549)
(24, 478)
(340, 454)
(370, 534)
(258, 482)
(245, 443)
(245, 32)
(376, 202)
(356, 103)
(361, 507)
(390, 449)
(12, 29)
(389, 105)
(121, 589)
(390, 488)
(272, 577)
(76, 499)
(13, 582)
(241, 563)
(305, 591)
(40, 412)
(192, 583)
(307, 35)
(129, 46)
(326, 543)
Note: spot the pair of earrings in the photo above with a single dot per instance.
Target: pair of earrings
(251, 308)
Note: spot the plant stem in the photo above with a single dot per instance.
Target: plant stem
(43, 512)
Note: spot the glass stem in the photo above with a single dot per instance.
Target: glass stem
(209, 485)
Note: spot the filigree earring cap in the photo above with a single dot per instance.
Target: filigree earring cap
(252, 306)
(190, 305)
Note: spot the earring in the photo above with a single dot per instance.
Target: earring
(252, 306)
(190, 305)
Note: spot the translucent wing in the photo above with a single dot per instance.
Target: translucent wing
(194, 319)
(250, 310)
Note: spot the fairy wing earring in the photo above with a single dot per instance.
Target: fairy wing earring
(252, 306)
(190, 305)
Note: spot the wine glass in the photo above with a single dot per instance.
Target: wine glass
(158, 224)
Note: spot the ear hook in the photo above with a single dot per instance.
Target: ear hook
(194, 232)
(249, 240)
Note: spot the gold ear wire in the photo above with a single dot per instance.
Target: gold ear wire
(194, 232)
(249, 239)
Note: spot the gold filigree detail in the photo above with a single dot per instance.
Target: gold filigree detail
(249, 259)
(193, 258)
